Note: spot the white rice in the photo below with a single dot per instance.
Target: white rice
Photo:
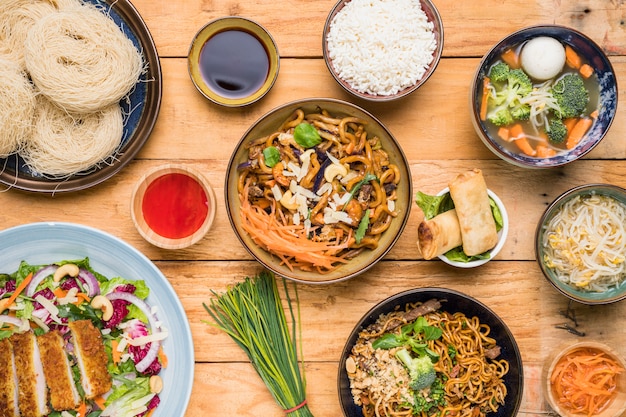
(381, 47)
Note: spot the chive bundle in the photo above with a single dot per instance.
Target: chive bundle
(252, 314)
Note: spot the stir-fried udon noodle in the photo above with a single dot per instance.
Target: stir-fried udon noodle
(469, 374)
(585, 243)
(317, 191)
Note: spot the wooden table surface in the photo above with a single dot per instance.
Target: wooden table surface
(434, 128)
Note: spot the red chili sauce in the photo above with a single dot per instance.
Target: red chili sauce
(175, 205)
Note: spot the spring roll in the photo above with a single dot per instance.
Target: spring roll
(439, 234)
(471, 201)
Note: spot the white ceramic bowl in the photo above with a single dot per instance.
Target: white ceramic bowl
(502, 233)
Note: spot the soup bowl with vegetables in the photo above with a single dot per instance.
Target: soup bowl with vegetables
(543, 96)
(318, 190)
(580, 243)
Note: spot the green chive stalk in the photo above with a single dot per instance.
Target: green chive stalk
(252, 314)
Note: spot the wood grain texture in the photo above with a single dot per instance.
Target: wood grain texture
(434, 129)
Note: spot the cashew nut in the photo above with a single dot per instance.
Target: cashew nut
(67, 269)
(156, 384)
(288, 201)
(333, 170)
(102, 303)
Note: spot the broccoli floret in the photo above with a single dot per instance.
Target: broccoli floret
(557, 131)
(499, 72)
(507, 105)
(421, 369)
(571, 95)
(501, 116)
(521, 112)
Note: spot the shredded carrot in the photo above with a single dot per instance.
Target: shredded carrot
(511, 58)
(585, 380)
(100, 402)
(60, 292)
(586, 70)
(81, 411)
(572, 59)
(115, 354)
(149, 413)
(163, 357)
(19, 289)
(578, 131)
(485, 98)
(594, 114)
(82, 298)
(288, 241)
(504, 134)
(544, 151)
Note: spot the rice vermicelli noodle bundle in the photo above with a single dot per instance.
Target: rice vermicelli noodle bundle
(81, 60)
(63, 144)
(17, 107)
(17, 17)
(585, 243)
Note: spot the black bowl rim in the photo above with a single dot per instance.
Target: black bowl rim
(427, 293)
(229, 203)
(528, 32)
(555, 204)
(439, 28)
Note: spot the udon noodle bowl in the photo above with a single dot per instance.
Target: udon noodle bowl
(469, 370)
(584, 243)
(318, 190)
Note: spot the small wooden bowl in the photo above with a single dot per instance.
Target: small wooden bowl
(173, 206)
(616, 408)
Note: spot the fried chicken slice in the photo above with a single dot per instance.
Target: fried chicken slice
(91, 358)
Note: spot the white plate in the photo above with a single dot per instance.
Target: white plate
(43, 243)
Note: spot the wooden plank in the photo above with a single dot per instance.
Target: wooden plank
(524, 192)
(432, 123)
(297, 25)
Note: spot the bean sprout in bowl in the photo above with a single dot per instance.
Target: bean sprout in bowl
(373, 357)
(382, 51)
(318, 190)
(543, 96)
(580, 243)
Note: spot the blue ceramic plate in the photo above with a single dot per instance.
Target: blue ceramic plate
(455, 302)
(42, 243)
(140, 112)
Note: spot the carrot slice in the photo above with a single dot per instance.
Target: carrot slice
(586, 70)
(572, 59)
(485, 99)
(162, 357)
(544, 151)
(519, 138)
(578, 131)
(19, 289)
(511, 58)
(115, 354)
(504, 134)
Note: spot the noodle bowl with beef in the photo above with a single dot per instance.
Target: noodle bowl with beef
(468, 369)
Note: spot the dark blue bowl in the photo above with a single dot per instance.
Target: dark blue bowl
(455, 302)
(608, 94)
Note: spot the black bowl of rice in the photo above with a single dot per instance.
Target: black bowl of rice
(382, 51)
(580, 243)
(374, 380)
